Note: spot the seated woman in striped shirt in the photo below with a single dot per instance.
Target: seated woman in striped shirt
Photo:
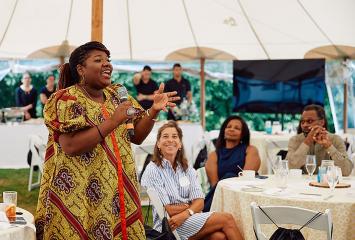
(180, 192)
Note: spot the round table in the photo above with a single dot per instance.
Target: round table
(19, 232)
(232, 196)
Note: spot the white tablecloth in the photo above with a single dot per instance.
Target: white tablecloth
(20, 232)
(231, 197)
(14, 143)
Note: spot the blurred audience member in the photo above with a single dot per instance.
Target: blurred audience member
(181, 85)
(47, 90)
(314, 139)
(233, 153)
(26, 97)
(145, 86)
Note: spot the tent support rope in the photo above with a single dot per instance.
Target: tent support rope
(253, 29)
(320, 29)
(8, 24)
(129, 31)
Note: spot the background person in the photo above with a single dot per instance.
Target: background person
(26, 97)
(145, 86)
(179, 84)
(233, 151)
(314, 139)
(47, 90)
(180, 192)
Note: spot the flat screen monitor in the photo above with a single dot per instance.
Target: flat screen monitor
(278, 86)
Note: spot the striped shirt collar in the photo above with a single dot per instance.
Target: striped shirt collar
(166, 164)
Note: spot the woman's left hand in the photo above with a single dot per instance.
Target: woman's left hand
(163, 100)
(177, 220)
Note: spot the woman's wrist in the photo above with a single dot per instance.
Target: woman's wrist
(152, 114)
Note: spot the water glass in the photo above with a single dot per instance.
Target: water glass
(311, 164)
(275, 163)
(282, 174)
(10, 197)
(332, 177)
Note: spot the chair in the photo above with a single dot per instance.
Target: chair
(203, 179)
(289, 215)
(37, 147)
(204, 144)
(153, 196)
(273, 147)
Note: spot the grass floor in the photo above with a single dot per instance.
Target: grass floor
(17, 180)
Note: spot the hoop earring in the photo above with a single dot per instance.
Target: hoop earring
(82, 80)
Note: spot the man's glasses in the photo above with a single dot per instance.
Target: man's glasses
(308, 121)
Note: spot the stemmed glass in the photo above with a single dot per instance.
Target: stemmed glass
(332, 178)
(275, 163)
(282, 174)
(311, 165)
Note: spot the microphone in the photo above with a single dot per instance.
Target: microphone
(123, 96)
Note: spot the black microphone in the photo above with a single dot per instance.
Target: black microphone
(123, 96)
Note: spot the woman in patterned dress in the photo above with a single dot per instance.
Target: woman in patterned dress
(89, 186)
(180, 192)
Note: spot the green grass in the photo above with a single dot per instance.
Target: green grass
(17, 180)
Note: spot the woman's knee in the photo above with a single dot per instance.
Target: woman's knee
(217, 236)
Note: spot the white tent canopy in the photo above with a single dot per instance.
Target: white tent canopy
(150, 30)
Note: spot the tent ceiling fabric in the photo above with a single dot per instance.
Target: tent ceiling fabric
(331, 52)
(150, 30)
(63, 50)
(193, 53)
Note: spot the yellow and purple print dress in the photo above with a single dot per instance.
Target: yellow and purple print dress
(78, 197)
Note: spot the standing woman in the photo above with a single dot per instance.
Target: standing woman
(26, 97)
(89, 187)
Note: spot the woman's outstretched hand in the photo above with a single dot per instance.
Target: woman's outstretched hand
(163, 100)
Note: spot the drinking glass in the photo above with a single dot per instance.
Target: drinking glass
(311, 165)
(10, 197)
(332, 177)
(282, 174)
(275, 163)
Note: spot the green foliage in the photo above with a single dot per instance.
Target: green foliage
(13, 80)
(219, 98)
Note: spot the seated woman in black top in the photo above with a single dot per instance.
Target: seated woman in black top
(47, 90)
(233, 152)
(145, 87)
(26, 97)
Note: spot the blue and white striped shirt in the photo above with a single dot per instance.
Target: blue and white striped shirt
(173, 188)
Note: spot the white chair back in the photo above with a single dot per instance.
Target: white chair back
(38, 149)
(273, 147)
(290, 215)
(156, 202)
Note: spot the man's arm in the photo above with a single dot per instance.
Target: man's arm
(137, 78)
(337, 152)
(189, 96)
(297, 152)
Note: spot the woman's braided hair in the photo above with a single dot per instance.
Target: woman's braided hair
(68, 73)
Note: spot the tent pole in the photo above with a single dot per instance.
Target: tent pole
(61, 59)
(96, 20)
(345, 108)
(202, 96)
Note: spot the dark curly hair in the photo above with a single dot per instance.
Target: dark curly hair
(245, 134)
(68, 74)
